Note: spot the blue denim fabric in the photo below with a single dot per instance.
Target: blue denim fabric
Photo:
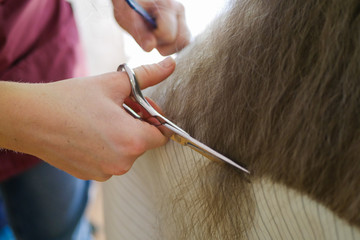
(6, 233)
(3, 219)
(47, 203)
(5, 230)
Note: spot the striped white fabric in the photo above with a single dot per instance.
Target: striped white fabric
(133, 203)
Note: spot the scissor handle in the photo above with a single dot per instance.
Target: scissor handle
(136, 91)
(139, 98)
(179, 135)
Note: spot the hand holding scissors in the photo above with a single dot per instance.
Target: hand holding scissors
(178, 134)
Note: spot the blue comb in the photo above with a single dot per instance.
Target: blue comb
(140, 10)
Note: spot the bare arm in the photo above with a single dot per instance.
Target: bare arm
(78, 125)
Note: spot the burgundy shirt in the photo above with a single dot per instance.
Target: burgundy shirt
(38, 43)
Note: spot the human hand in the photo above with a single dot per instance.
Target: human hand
(80, 126)
(171, 34)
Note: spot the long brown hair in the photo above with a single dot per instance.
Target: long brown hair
(275, 85)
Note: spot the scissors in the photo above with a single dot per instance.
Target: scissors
(179, 135)
(140, 10)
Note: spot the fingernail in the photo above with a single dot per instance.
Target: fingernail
(167, 62)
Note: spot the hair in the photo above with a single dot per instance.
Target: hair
(273, 85)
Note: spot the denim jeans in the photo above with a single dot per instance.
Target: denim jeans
(46, 203)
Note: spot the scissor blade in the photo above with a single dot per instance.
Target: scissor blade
(186, 140)
(179, 135)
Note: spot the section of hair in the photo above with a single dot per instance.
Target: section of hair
(152, 202)
(274, 85)
(198, 200)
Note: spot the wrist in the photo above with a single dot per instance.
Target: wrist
(16, 107)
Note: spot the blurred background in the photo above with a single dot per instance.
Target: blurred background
(106, 46)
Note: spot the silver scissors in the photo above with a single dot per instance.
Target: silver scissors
(179, 135)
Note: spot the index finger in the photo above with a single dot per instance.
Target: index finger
(133, 23)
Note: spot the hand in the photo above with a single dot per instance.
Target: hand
(79, 125)
(171, 34)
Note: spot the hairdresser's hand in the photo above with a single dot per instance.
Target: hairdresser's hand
(79, 125)
(171, 34)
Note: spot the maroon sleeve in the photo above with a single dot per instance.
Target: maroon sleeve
(38, 43)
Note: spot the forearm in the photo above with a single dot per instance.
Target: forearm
(17, 104)
(79, 125)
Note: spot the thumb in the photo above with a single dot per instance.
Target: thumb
(149, 75)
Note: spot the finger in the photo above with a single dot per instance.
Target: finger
(141, 111)
(154, 105)
(140, 32)
(164, 130)
(135, 25)
(152, 136)
(144, 136)
(167, 25)
(149, 75)
(182, 38)
(145, 115)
